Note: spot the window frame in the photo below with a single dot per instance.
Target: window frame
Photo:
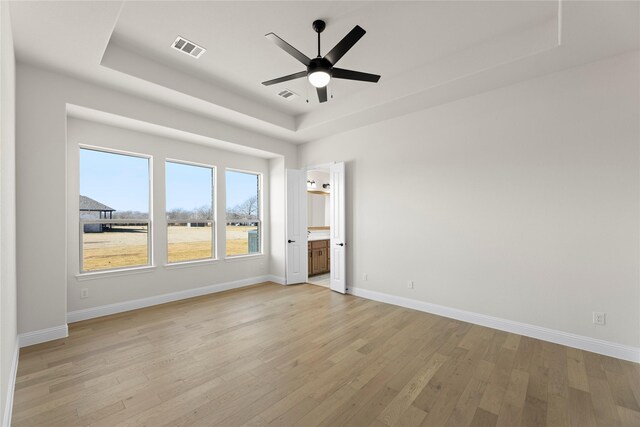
(259, 214)
(212, 221)
(148, 221)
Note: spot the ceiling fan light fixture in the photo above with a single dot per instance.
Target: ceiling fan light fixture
(320, 70)
(319, 78)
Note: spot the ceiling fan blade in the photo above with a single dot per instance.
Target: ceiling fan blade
(322, 94)
(341, 73)
(285, 78)
(289, 49)
(345, 44)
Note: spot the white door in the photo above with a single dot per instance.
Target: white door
(296, 252)
(338, 232)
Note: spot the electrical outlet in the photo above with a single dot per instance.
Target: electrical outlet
(84, 293)
(365, 277)
(599, 318)
(410, 284)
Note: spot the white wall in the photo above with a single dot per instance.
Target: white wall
(163, 279)
(522, 203)
(8, 331)
(41, 159)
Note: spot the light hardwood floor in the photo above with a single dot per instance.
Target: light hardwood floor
(321, 280)
(305, 356)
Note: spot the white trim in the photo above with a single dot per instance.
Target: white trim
(190, 163)
(321, 166)
(103, 274)
(277, 279)
(114, 151)
(11, 386)
(247, 171)
(43, 335)
(234, 258)
(192, 263)
(117, 220)
(119, 307)
(581, 342)
(559, 22)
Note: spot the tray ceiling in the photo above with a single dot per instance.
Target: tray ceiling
(428, 53)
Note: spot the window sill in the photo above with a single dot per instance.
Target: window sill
(115, 273)
(243, 257)
(194, 263)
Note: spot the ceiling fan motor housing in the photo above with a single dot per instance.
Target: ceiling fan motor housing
(319, 64)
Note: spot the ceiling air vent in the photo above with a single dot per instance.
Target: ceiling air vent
(188, 47)
(287, 94)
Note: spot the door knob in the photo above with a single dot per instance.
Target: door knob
(339, 244)
(291, 241)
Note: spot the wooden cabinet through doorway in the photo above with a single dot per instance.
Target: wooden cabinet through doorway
(319, 260)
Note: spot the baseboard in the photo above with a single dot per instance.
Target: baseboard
(120, 307)
(43, 335)
(277, 279)
(581, 342)
(11, 386)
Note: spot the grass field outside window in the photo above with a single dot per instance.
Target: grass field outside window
(189, 211)
(125, 246)
(243, 213)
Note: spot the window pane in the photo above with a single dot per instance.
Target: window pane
(119, 181)
(243, 213)
(188, 242)
(113, 186)
(189, 212)
(107, 246)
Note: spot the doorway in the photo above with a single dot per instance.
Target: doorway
(315, 226)
(318, 227)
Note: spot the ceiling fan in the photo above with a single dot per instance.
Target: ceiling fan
(320, 70)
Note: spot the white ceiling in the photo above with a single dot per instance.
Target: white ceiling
(240, 58)
(428, 53)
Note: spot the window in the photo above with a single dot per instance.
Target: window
(114, 210)
(189, 209)
(244, 228)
